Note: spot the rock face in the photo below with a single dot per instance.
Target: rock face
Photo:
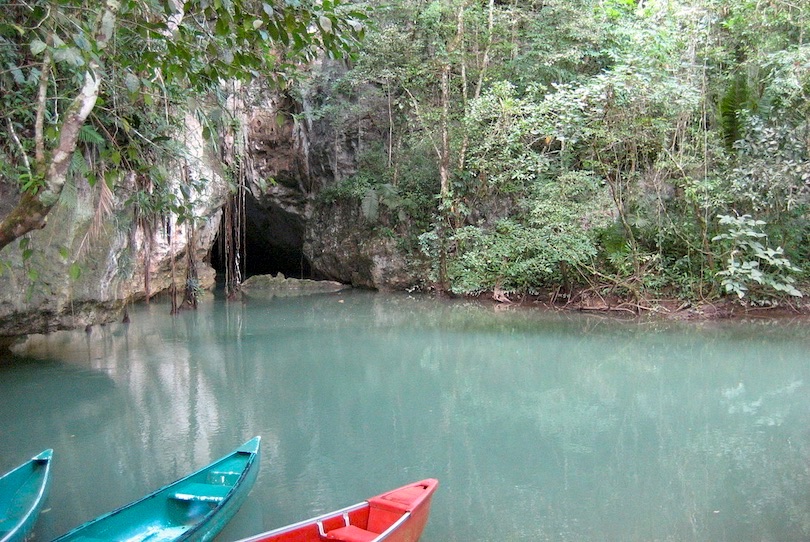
(278, 206)
(294, 156)
(342, 247)
(266, 286)
(88, 263)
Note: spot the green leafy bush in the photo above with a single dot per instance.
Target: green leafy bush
(553, 231)
(753, 269)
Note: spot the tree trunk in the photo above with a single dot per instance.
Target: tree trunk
(444, 177)
(31, 213)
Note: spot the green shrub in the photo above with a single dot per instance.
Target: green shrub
(754, 270)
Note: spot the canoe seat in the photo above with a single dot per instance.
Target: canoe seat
(351, 533)
(160, 534)
(223, 477)
(227, 472)
(213, 493)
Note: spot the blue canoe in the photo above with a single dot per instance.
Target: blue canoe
(22, 492)
(194, 508)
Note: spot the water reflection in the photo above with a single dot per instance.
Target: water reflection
(539, 426)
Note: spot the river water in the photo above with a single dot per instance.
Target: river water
(540, 426)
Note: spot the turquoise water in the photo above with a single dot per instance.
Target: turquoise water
(539, 426)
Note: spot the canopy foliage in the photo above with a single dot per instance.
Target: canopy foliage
(596, 143)
(101, 82)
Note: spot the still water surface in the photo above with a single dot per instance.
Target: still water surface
(539, 426)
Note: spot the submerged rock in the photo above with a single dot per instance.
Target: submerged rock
(279, 285)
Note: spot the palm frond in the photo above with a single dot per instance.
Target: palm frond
(104, 210)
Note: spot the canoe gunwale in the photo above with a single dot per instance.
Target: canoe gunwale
(224, 503)
(26, 520)
(309, 521)
(250, 469)
(390, 530)
(417, 510)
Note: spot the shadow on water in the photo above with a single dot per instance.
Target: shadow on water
(540, 426)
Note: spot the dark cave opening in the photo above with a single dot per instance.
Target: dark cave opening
(274, 240)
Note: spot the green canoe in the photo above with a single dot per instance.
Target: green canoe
(22, 492)
(195, 508)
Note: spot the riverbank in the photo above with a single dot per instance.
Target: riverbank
(669, 308)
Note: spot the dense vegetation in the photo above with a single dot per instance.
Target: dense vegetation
(644, 148)
(647, 149)
(98, 90)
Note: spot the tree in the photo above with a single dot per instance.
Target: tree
(152, 52)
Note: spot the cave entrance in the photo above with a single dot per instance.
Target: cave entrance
(273, 241)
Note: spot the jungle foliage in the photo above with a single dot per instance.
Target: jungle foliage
(100, 89)
(642, 147)
(646, 148)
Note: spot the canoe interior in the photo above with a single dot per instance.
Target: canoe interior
(22, 492)
(396, 516)
(179, 510)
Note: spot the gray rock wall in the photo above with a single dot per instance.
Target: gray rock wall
(305, 152)
(85, 265)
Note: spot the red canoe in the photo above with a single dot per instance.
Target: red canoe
(396, 516)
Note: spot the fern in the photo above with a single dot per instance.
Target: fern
(78, 165)
(731, 105)
(69, 198)
(88, 134)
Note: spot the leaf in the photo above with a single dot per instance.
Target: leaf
(37, 46)
(89, 134)
(132, 82)
(81, 42)
(18, 75)
(107, 27)
(70, 55)
(325, 23)
(75, 271)
(370, 205)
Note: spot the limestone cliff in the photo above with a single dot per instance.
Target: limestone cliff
(95, 256)
(295, 153)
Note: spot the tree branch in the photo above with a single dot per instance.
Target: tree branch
(31, 212)
(42, 101)
(16, 139)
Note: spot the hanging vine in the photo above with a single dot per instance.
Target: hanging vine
(232, 227)
(232, 239)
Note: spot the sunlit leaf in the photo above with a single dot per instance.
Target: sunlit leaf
(75, 271)
(37, 46)
(132, 82)
(107, 26)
